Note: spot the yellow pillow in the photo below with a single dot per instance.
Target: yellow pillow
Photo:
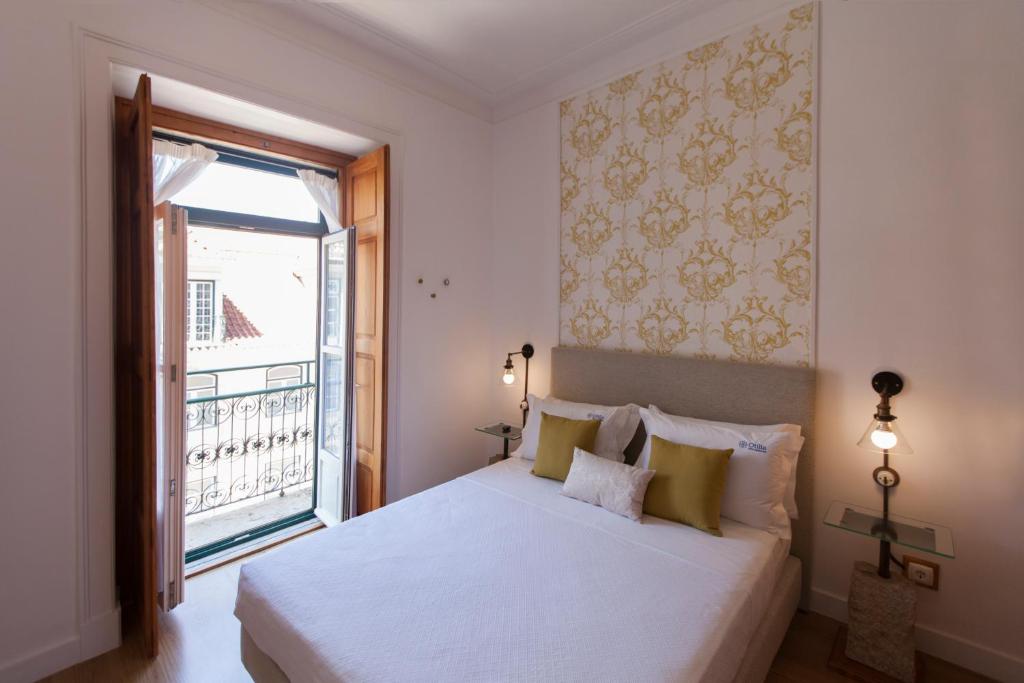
(558, 438)
(688, 484)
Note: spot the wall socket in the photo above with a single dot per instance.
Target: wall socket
(921, 572)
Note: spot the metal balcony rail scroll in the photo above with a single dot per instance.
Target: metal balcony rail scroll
(251, 444)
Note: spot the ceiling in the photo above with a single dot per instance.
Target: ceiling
(494, 50)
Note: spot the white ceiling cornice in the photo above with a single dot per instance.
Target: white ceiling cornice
(641, 29)
(342, 36)
(303, 32)
(708, 25)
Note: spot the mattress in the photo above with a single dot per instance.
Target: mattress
(496, 577)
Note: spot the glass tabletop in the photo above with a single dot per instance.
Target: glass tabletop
(499, 429)
(904, 531)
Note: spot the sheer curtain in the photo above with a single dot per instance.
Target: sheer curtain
(176, 166)
(324, 192)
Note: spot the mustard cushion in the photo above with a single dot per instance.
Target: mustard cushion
(559, 437)
(688, 484)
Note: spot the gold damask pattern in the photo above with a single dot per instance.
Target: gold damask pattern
(688, 194)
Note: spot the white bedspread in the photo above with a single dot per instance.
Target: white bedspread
(496, 577)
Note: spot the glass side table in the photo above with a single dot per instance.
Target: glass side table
(882, 610)
(904, 531)
(503, 431)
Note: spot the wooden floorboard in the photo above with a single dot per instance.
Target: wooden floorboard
(199, 642)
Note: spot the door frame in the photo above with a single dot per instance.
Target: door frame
(97, 613)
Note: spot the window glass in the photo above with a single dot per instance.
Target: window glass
(227, 187)
(199, 311)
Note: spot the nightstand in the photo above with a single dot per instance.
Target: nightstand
(505, 432)
(878, 643)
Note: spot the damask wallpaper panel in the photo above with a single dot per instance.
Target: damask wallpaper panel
(688, 201)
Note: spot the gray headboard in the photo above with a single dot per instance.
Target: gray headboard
(707, 389)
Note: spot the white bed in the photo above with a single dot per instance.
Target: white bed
(497, 577)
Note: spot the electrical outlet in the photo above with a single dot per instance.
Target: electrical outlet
(921, 572)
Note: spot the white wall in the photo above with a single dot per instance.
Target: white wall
(919, 238)
(920, 242)
(56, 609)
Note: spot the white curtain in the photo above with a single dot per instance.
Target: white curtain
(324, 192)
(176, 166)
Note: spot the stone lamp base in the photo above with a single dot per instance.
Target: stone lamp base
(881, 625)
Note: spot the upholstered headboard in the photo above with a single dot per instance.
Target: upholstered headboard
(709, 389)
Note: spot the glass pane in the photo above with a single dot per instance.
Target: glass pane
(905, 531)
(227, 187)
(334, 293)
(332, 419)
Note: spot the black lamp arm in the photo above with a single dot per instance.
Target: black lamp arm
(527, 353)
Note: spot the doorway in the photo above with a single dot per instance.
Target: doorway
(183, 182)
(251, 316)
(266, 420)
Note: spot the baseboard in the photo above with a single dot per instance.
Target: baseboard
(100, 634)
(960, 651)
(94, 638)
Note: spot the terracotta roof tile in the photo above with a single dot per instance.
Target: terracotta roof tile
(236, 324)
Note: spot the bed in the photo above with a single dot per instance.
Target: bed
(496, 577)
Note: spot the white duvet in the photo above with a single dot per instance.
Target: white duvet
(496, 577)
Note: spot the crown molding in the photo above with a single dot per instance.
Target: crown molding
(641, 29)
(356, 43)
(706, 25)
(355, 28)
(355, 53)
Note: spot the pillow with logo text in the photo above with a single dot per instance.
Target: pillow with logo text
(759, 469)
(618, 425)
(796, 442)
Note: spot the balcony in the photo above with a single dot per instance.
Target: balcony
(249, 453)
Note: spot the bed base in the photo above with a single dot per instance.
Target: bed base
(753, 669)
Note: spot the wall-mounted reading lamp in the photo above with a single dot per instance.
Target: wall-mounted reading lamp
(510, 374)
(883, 436)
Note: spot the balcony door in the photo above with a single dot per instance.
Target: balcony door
(169, 259)
(174, 419)
(335, 460)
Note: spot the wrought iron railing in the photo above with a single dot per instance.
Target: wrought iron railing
(246, 445)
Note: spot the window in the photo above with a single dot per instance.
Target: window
(279, 377)
(237, 189)
(202, 386)
(244, 189)
(202, 413)
(200, 312)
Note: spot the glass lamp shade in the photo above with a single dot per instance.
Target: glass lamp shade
(509, 377)
(885, 436)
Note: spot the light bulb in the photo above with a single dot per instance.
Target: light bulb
(884, 438)
(509, 377)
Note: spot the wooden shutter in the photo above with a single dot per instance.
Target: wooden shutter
(365, 200)
(135, 388)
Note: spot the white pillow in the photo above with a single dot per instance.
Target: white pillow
(759, 468)
(618, 425)
(615, 486)
(796, 442)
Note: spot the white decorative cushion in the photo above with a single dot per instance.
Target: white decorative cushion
(614, 486)
(618, 425)
(759, 470)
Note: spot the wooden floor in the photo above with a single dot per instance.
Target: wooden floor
(199, 644)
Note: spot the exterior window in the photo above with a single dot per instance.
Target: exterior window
(284, 402)
(203, 413)
(202, 386)
(199, 311)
